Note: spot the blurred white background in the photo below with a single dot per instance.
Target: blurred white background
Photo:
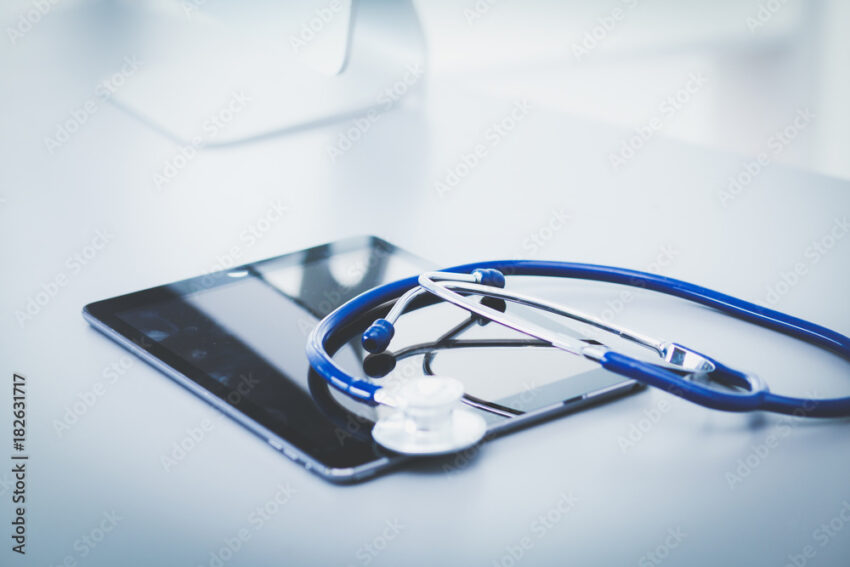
(614, 61)
(768, 57)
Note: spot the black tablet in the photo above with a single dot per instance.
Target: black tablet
(236, 338)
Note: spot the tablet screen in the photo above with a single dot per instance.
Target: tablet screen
(240, 334)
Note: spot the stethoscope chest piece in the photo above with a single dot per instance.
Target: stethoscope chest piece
(427, 418)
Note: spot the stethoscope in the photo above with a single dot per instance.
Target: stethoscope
(423, 415)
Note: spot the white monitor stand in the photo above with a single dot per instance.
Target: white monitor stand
(269, 68)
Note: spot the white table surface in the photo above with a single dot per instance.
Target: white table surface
(669, 495)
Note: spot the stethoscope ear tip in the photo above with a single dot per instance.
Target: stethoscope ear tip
(376, 339)
(490, 276)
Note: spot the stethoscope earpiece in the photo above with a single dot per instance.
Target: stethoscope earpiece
(377, 337)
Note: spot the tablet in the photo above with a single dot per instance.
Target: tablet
(236, 338)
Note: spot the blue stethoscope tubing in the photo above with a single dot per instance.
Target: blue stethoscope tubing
(758, 399)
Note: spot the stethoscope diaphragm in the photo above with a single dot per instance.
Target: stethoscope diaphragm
(424, 416)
